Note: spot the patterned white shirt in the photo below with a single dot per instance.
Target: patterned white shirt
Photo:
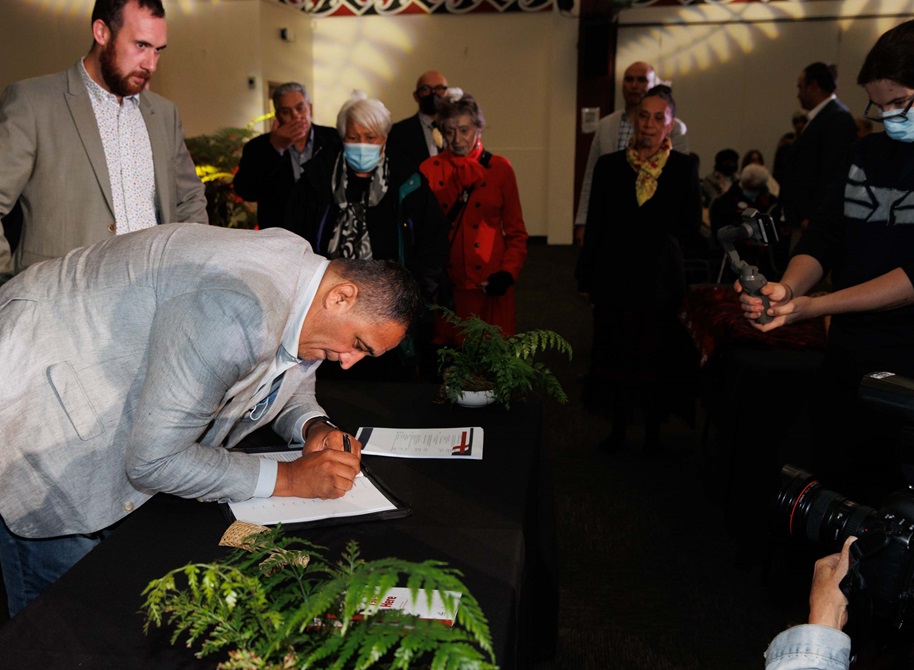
(128, 154)
(626, 130)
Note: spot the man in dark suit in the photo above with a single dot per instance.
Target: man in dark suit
(271, 163)
(416, 138)
(819, 150)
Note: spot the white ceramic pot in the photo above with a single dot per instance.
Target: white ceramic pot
(476, 398)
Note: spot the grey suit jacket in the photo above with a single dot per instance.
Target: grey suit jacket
(53, 158)
(128, 364)
(605, 141)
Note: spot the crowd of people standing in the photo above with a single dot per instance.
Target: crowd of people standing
(423, 203)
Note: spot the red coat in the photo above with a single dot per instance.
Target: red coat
(489, 236)
(492, 235)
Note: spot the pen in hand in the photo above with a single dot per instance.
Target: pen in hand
(347, 445)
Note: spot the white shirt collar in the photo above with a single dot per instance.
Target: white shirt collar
(288, 352)
(426, 120)
(811, 114)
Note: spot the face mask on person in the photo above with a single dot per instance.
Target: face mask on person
(898, 128)
(429, 104)
(751, 195)
(362, 157)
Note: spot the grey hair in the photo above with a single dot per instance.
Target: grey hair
(466, 104)
(365, 111)
(754, 176)
(285, 89)
(387, 290)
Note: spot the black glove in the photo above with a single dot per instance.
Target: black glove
(499, 283)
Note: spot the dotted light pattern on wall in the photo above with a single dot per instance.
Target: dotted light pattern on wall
(325, 8)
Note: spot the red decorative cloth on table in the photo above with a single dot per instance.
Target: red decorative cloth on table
(714, 319)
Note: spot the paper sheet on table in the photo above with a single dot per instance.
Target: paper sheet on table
(363, 498)
(400, 598)
(452, 443)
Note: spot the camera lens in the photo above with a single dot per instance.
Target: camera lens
(821, 516)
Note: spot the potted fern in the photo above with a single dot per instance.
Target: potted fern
(498, 367)
(276, 603)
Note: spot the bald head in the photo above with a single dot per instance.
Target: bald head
(638, 78)
(430, 89)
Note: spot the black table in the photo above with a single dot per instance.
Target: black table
(491, 519)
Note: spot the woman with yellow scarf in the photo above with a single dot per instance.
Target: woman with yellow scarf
(645, 205)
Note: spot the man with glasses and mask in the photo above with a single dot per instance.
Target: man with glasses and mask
(89, 152)
(417, 137)
(863, 237)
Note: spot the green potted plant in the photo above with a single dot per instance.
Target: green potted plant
(497, 368)
(216, 158)
(277, 603)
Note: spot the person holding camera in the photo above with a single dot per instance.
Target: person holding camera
(819, 644)
(862, 237)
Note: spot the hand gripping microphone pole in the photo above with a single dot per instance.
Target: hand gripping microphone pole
(756, 227)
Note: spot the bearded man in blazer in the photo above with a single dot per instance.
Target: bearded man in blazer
(64, 159)
(134, 365)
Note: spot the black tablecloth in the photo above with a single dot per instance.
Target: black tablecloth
(491, 519)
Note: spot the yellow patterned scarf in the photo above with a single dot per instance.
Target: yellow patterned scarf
(648, 169)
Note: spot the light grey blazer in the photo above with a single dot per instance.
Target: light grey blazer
(128, 363)
(606, 141)
(51, 155)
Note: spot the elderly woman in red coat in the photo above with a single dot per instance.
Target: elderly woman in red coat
(478, 193)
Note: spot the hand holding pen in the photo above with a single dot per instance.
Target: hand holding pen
(323, 435)
(329, 464)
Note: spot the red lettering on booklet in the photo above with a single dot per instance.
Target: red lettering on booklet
(464, 448)
(388, 601)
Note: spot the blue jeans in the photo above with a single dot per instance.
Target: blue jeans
(31, 566)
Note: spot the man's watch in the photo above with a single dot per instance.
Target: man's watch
(319, 419)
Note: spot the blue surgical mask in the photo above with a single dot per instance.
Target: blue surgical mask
(899, 129)
(362, 157)
(751, 195)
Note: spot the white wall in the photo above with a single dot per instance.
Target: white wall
(521, 68)
(36, 39)
(734, 68)
(214, 46)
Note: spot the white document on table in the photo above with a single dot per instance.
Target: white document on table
(450, 443)
(363, 498)
(400, 598)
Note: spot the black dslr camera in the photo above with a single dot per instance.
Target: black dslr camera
(880, 581)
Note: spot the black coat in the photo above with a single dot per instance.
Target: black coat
(407, 141)
(633, 256)
(408, 211)
(266, 177)
(815, 160)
